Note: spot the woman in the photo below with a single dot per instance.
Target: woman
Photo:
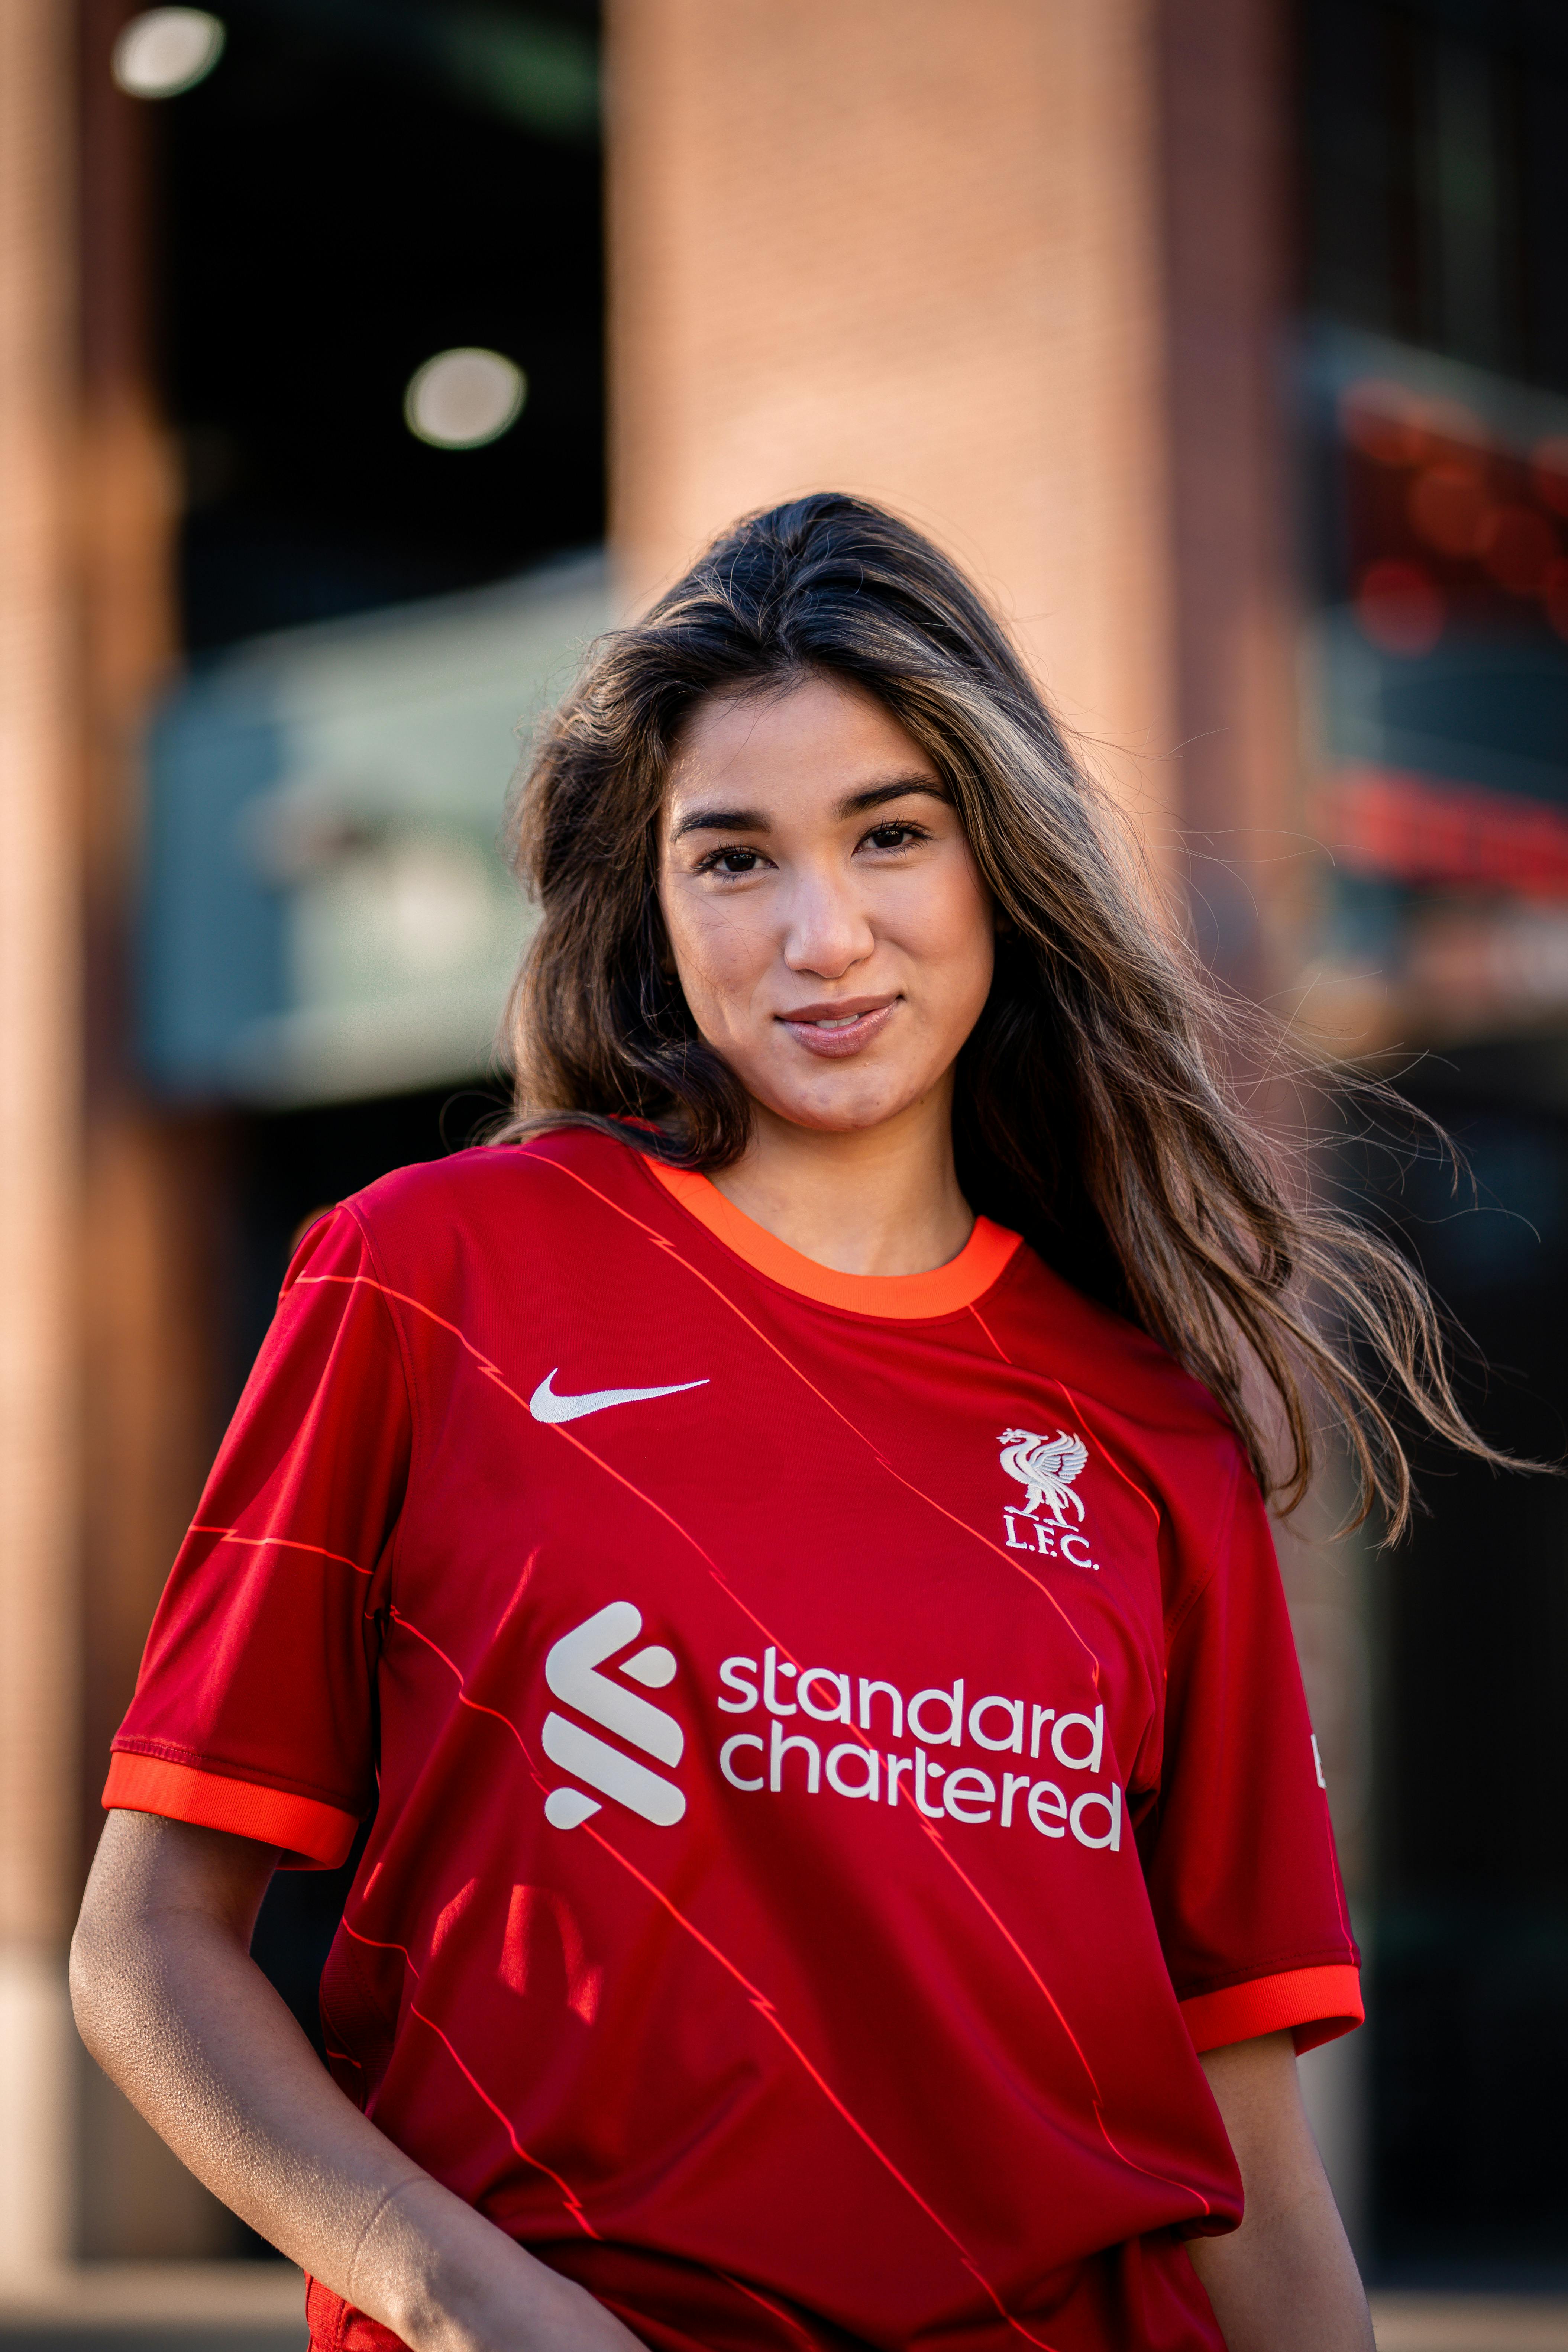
(778, 1547)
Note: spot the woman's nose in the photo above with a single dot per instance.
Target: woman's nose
(827, 931)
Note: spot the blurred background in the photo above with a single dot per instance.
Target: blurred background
(359, 361)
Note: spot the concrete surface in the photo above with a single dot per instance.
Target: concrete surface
(1467, 2323)
(157, 2308)
(260, 2307)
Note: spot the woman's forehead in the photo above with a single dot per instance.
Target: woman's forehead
(821, 739)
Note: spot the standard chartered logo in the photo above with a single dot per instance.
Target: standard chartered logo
(573, 1672)
(850, 1737)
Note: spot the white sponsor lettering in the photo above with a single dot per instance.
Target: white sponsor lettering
(926, 1771)
(838, 1711)
(1013, 1709)
(796, 1766)
(1112, 1805)
(796, 1742)
(951, 1734)
(868, 1691)
(849, 1755)
(969, 1794)
(771, 1672)
(732, 1678)
(1046, 1799)
(727, 1760)
(1095, 1727)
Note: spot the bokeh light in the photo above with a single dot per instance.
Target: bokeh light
(1448, 507)
(1554, 594)
(1519, 549)
(1549, 470)
(461, 399)
(166, 50)
(1384, 420)
(1399, 607)
(1450, 421)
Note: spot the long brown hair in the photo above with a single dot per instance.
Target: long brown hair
(1093, 1114)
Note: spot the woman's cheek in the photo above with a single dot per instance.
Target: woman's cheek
(950, 935)
(714, 966)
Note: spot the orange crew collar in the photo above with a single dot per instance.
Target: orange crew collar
(904, 1296)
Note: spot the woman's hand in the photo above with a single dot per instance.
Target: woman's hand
(177, 2012)
(1286, 2281)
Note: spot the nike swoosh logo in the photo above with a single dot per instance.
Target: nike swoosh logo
(546, 1405)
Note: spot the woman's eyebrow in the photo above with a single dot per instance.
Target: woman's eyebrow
(721, 821)
(876, 795)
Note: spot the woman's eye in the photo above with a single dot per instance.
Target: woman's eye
(893, 836)
(732, 861)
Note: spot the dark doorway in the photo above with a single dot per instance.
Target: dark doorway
(359, 185)
(1470, 1950)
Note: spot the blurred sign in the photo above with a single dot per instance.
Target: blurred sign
(1481, 968)
(1439, 659)
(326, 912)
(1409, 829)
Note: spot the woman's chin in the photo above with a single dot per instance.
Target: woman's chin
(844, 1109)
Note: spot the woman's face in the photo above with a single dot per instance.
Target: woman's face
(829, 925)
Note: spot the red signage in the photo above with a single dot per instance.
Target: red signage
(1397, 827)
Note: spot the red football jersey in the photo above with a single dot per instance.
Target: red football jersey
(835, 1744)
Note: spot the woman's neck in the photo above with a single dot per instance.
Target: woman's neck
(880, 1200)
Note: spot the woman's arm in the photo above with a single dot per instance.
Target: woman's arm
(174, 2010)
(1286, 2281)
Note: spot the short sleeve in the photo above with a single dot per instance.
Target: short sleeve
(254, 1710)
(1238, 1850)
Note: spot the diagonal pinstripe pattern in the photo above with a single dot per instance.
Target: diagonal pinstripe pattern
(949, 2029)
(493, 1372)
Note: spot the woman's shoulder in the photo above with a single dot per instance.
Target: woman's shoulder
(1113, 1362)
(503, 1191)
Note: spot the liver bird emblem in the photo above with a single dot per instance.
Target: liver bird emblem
(1046, 1467)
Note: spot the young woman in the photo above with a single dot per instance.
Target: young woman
(775, 1554)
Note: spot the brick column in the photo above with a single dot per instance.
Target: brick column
(1230, 270)
(154, 1182)
(40, 1121)
(912, 249)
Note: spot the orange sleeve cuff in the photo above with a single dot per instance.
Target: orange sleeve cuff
(1316, 2004)
(305, 1828)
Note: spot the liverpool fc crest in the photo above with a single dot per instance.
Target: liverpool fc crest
(1046, 1467)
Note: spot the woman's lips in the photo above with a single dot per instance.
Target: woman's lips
(834, 1032)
